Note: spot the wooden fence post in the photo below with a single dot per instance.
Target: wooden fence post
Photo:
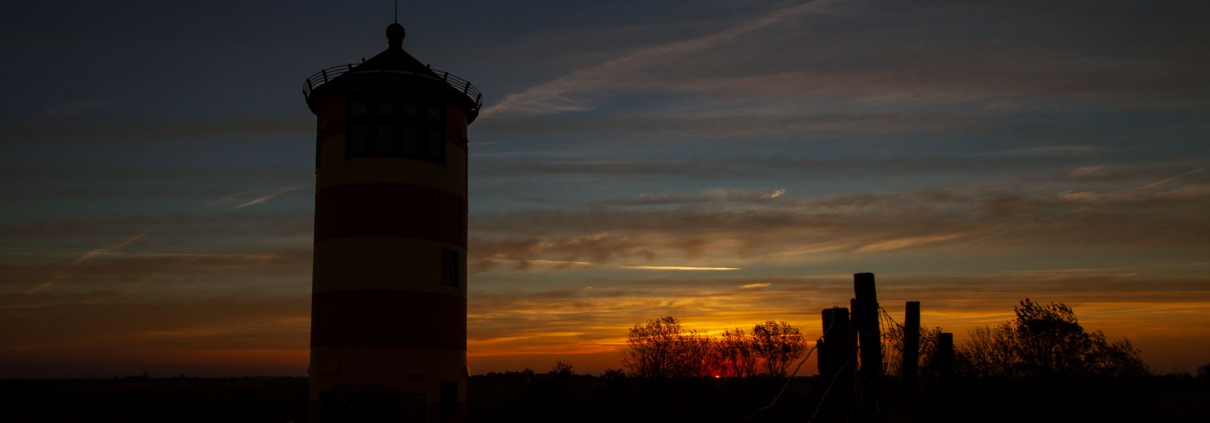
(837, 344)
(837, 361)
(869, 334)
(911, 348)
(945, 355)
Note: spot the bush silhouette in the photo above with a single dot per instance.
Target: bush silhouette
(1046, 340)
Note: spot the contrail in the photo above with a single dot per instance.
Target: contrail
(231, 196)
(265, 197)
(1163, 181)
(86, 257)
(691, 268)
(551, 97)
(995, 235)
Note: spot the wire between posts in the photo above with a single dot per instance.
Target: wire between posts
(893, 338)
(791, 377)
(824, 397)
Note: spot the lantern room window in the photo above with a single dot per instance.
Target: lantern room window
(395, 126)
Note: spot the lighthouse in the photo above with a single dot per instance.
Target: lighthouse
(388, 302)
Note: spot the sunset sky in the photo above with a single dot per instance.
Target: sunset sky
(725, 163)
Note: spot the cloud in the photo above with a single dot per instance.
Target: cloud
(266, 197)
(690, 268)
(113, 184)
(529, 265)
(84, 258)
(198, 334)
(712, 195)
(744, 231)
(170, 226)
(255, 273)
(1083, 171)
(1158, 183)
(778, 167)
(1048, 150)
(994, 235)
(900, 243)
(1128, 194)
(82, 130)
(559, 95)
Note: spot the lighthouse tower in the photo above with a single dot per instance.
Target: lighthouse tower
(388, 310)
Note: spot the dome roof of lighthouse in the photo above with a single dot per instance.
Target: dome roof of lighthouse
(394, 58)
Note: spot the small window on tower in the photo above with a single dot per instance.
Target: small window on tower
(449, 267)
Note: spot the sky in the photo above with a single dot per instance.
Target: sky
(724, 163)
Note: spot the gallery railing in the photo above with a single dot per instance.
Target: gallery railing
(329, 74)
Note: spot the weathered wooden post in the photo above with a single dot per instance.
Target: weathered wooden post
(911, 348)
(945, 355)
(865, 314)
(837, 362)
(837, 344)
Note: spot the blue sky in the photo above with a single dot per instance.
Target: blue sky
(722, 162)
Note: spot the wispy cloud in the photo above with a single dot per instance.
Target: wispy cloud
(55, 131)
(265, 197)
(995, 235)
(713, 195)
(1048, 149)
(690, 268)
(1156, 184)
(1083, 171)
(559, 95)
(84, 258)
(1135, 193)
(900, 243)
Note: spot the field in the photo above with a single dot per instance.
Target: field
(538, 398)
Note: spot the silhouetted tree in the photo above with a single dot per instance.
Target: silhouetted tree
(1049, 338)
(693, 352)
(893, 350)
(778, 344)
(734, 354)
(1114, 359)
(1046, 340)
(1203, 372)
(610, 374)
(990, 351)
(930, 344)
(562, 369)
(651, 348)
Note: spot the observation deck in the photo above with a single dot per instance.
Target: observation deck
(348, 70)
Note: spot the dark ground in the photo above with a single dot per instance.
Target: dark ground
(138, 399)
(525, 397)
